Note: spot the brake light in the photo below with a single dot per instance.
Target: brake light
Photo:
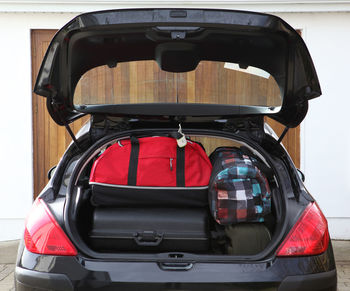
(43, 235)
(309, 236)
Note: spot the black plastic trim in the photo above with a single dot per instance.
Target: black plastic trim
(326, 281)
(41, 280)
(176, 109)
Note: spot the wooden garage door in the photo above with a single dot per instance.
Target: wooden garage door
(51, 140)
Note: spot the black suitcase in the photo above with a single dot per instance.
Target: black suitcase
(150, 230)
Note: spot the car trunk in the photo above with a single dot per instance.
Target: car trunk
(218, 73)
(185, 232)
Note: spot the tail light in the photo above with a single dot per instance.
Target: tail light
(309, 236)
(43, 235)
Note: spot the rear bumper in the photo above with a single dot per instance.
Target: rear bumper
(320, 281)
(28, 280)
(32, 280)
(38, 272)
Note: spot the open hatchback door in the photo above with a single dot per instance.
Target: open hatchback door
(177, 63)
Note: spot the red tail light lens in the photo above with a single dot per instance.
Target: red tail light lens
(43, 235)
(309, 236)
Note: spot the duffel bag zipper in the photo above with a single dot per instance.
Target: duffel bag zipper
(171, 164)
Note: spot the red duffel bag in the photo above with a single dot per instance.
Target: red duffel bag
(151, 171)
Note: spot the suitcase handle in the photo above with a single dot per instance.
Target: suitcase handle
(148, 238)
(176, 266)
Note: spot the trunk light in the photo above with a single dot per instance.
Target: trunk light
(309, 236)
(43, 235)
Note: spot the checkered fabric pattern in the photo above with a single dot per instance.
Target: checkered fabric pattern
(239, 191)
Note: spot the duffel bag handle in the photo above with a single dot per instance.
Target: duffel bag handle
(134, 158)
(148, 238)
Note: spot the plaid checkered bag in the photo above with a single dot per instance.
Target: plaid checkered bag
(238, 190)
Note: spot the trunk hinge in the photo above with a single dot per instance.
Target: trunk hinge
(244, 125)
(283, 134)
(251, 128)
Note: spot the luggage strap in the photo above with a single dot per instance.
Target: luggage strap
(180, 167)
(134, 157)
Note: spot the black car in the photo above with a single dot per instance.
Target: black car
(210, 75)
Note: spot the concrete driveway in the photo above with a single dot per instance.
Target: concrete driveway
(8, 252)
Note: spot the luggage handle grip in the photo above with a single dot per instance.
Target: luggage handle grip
(148, 238)
(176, 266)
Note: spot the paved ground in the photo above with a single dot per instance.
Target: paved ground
(342, 257)
(8, 252)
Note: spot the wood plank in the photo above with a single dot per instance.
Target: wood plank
(49, 139)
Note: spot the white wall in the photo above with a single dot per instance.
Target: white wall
(16, 158)
(325, 142)
(325, 135)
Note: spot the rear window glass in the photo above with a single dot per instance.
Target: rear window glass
(210, 83)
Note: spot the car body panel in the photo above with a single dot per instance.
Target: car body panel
(108, 37)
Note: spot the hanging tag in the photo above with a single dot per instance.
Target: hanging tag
(181, 140)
